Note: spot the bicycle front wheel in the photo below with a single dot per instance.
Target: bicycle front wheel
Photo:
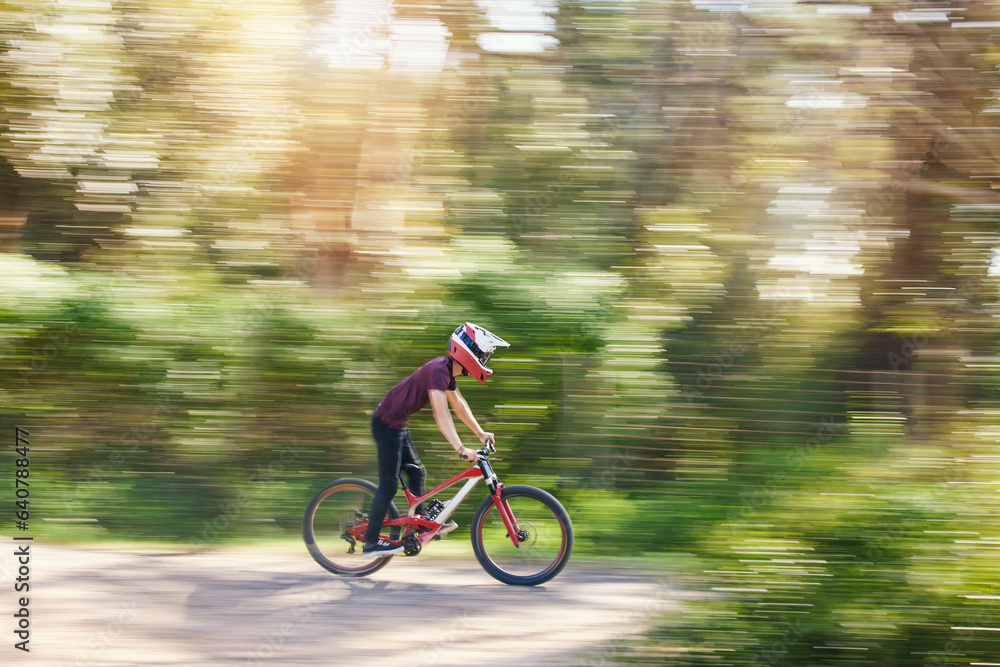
(333, 518)
(546, 531)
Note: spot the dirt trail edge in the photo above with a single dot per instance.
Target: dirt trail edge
(254, 607)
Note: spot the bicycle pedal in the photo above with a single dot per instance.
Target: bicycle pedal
(411, 545)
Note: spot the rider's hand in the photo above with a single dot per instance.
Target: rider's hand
(468, 454)
(484, 436)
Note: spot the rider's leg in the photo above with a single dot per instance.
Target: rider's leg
(415, 471)
(415, 476)
(389, 446)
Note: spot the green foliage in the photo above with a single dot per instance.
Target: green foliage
(855, 569)
(746, 258)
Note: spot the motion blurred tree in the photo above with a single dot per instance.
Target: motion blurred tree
(739, 247)
(132, 123)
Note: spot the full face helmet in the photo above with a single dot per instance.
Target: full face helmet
(472, 346)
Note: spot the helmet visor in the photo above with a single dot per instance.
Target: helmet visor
(480, 353)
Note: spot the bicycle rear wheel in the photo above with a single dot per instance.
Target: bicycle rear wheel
(339, 507)
(547, 537)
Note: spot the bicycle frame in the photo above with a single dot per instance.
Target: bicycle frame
(481, 471)
(542, 539)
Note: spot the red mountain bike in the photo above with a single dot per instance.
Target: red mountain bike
(520, 534)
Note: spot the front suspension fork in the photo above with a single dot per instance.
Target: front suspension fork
(503, 508)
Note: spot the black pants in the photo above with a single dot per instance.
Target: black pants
(395, 450)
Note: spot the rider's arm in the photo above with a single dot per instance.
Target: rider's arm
(464, 412)
(439, 404)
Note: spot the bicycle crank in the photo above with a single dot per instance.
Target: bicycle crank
(411, 545)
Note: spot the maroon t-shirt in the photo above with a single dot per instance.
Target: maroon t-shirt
(413, 393)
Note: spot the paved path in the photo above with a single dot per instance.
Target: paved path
(276, 606)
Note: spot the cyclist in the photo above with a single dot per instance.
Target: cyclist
(469, 349)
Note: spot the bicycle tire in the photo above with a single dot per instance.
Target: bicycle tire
(542, 555)
(325, 519)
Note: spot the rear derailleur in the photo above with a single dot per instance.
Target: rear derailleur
(347, 524)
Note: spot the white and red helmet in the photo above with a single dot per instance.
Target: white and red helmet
(472, 346)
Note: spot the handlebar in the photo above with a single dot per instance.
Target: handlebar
(485, 450)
